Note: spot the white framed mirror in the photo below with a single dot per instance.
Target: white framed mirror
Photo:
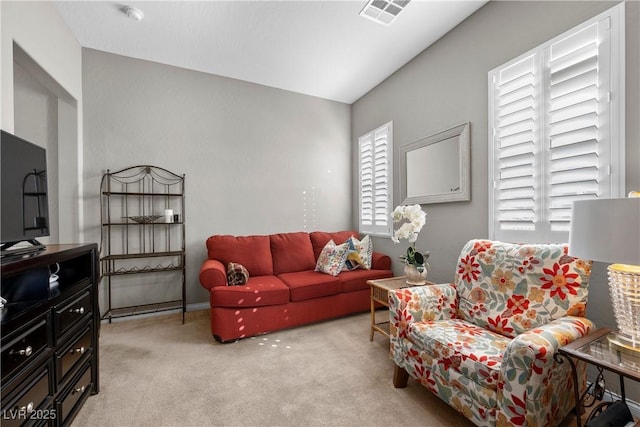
(436, 169)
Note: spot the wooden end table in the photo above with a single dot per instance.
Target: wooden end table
(380, 295)
(595, 350)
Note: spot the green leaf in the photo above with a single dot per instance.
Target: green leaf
(410, 253)
(523, 377)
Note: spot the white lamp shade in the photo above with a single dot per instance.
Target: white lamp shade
(606, 230)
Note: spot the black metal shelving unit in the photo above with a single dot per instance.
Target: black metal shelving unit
(137, 237)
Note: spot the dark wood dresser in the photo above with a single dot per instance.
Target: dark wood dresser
(49, 335)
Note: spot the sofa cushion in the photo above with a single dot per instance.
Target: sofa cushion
(254, 252)
(291, 252)
(310, 284)
(474, 352)
(357, 279)
(319, 239)
(258, 292)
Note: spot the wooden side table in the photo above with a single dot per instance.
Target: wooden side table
(595, 350)
(380, 295)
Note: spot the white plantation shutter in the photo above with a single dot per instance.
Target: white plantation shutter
(516, 142)
(556, 131)
(578, 96)
(375, 180)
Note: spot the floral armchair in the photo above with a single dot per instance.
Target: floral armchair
(485, 344)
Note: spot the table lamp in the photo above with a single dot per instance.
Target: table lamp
(608, 230)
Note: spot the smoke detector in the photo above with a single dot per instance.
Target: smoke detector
(383, 11)
(133, 13)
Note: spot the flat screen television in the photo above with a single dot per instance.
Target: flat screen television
(23, 178)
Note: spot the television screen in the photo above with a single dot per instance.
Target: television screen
(24, 208)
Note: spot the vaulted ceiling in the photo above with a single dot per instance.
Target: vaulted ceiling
(319, 48)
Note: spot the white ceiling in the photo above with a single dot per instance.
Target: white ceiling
(318, 48)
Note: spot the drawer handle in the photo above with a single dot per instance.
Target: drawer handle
(77, 310)
(80, 350)
(79, 390)
(24, 352)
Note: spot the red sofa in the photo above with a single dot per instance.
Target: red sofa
(283, 289)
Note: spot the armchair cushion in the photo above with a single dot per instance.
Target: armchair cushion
(474, 352)
(510, 288)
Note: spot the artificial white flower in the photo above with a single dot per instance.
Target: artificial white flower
(414, 219)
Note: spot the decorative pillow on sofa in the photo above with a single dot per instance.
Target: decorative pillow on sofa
(359, 253)
(237, 274)
(320, 238)
(331, 259)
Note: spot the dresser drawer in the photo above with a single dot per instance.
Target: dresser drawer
(69, 355)
(26, 405)
(25, 347)
(70, 313)
(78, 391)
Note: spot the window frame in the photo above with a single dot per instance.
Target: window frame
(613, 142)
(374, 228)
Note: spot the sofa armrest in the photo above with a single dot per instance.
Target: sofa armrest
(527, 362)
(212, 274)
(380, 261)
(420, 303)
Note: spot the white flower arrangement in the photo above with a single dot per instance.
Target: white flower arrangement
(413, 218)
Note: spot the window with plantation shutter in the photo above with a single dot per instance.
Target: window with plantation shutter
(556, 130)
(517, 141)
(375, 187)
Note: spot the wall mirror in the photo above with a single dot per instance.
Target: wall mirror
(436, 169)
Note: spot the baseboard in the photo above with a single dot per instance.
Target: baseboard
(190, 307)
(198, 306)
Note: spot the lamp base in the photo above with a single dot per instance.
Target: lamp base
(620, 343)
(624, 287)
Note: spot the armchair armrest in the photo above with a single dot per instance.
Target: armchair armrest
(212, 274)
(380, 261)
(420, 303)
(527, 362)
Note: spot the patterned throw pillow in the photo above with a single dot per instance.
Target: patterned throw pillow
(331, 259)
(237, 274)
(359, 253)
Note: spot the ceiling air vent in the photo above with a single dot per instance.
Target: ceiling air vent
(383, 11)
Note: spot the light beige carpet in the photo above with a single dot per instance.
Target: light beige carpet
(159, 372)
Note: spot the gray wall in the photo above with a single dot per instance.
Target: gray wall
(41, 82)
(447, 85)
(36, 119)
(257, 160)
